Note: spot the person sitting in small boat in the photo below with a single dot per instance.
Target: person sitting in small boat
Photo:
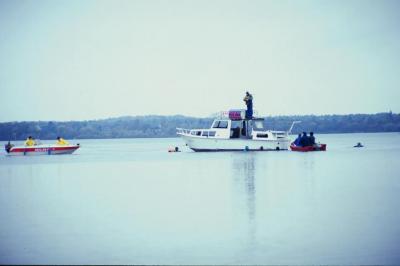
(30, 141)
(304, 141)
(297, 141)
(61, 141)
(359, 145)
(248, 99)
(311, 139)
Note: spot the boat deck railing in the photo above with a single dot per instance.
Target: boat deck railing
(181, 131)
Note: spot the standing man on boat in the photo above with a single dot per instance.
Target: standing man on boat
(248, 99)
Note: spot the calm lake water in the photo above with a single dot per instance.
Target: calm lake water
(129, 201)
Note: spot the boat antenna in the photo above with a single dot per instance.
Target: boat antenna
(291, 127)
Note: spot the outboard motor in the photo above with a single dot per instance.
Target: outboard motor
(8, 147)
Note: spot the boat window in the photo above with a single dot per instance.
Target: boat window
(211, 134)
(258, 125)
(223, 124)
(220, 124)
(259, 135)
(198, 133)
(205, 133)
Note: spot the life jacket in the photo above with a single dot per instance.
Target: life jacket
(30, 142)
(62, 141)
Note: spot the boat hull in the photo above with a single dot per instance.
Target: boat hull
(213, 144)
(42, 150)
(321, 147)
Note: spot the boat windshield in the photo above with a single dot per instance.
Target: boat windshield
(258, 125)
(220, 124)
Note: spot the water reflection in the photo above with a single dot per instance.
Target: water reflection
(245, 190)
(268, 193)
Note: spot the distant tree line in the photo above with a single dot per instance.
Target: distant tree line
(165, 126)
(353, 123)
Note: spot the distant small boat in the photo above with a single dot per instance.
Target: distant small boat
(320, 147)
(43, 149)
(359, 145)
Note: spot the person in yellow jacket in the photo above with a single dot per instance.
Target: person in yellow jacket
(61, 141)
(30, 141)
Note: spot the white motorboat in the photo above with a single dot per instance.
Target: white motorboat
(232, 131)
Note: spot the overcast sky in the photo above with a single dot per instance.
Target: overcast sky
(76, 60)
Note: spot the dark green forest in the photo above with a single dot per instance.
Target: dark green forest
(165, 126)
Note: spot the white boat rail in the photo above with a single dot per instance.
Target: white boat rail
(181, 131)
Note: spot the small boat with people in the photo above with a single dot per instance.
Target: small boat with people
(318, 147)
(358, 145)
(33, 147)
(306, 143)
